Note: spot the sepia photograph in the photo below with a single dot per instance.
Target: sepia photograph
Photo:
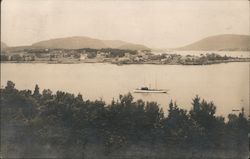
(125, 79)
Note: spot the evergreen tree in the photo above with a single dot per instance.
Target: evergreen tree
(36, 91)
(10, 85)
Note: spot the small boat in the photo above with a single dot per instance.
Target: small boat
(149, 90)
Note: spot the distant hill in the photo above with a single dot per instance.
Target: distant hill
(3, 46)
(114, 43)
(225, 42)
(134, 47)
(71, 43)
(124, 45)
(86, 42)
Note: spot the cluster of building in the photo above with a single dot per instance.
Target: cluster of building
(84, 55)
(149, 58)
(108, 55)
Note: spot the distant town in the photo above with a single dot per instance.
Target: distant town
(114, 56)
(80, 49)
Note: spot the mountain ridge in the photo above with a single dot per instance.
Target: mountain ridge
(3, 45)
(77, 42)
(222, 42)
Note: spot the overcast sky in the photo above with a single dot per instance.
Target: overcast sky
(157, 24)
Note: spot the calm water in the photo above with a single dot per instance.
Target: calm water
(226, 84)
(241, 54)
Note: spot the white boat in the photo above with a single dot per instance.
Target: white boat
(149, 90)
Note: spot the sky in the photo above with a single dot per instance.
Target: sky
(156, 24)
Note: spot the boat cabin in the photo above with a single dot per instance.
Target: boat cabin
(144, 88)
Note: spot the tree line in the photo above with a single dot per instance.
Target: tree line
(39, 122)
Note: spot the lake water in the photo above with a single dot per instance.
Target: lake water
(226, 84)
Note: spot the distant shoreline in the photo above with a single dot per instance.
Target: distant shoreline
(132, 63)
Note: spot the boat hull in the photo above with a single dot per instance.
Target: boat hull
(150, 91)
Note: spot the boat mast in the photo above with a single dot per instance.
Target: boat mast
(144, 84)
(155, 83)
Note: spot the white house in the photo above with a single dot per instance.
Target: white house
(83, 56)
